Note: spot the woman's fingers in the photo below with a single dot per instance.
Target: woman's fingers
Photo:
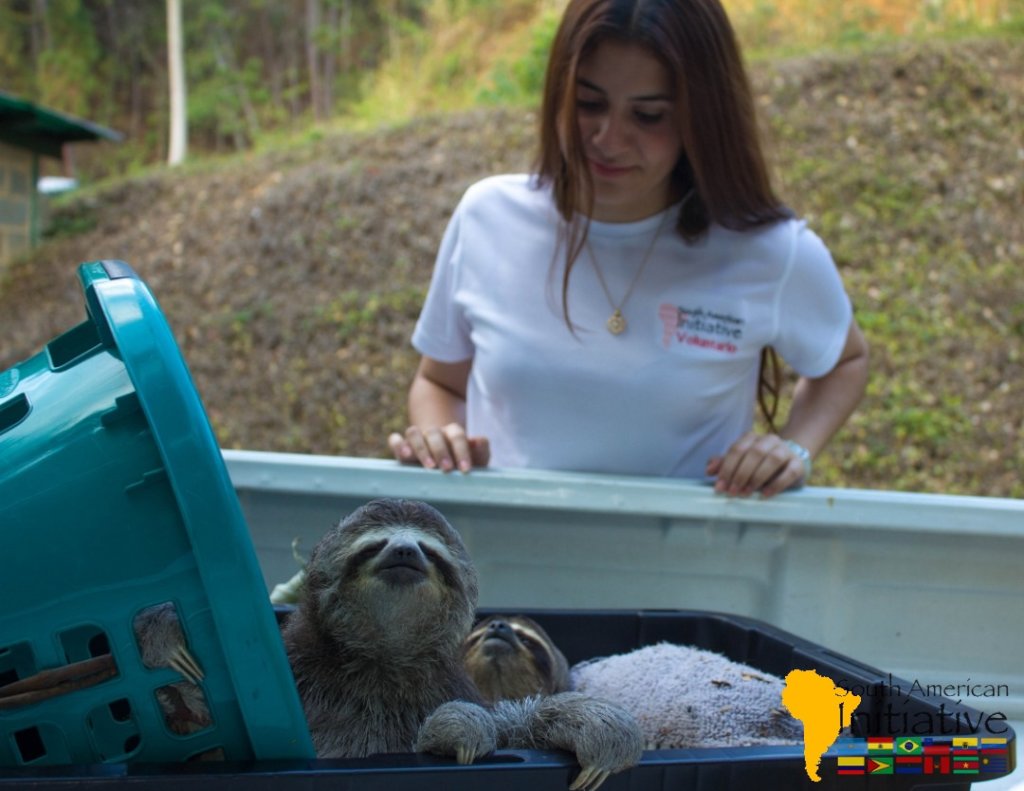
(730, 477)
(457, 443)
(447, 448)
(788, 476)
(421, 451)
(479, 451)
(756, 463)
(400, 449)
(438, 452)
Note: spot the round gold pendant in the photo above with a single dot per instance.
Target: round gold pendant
(616, 324)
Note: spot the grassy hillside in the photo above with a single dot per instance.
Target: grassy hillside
(292, 277)
(464, 53)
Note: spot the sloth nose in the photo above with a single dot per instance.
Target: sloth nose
(500, 628)
(403, 553)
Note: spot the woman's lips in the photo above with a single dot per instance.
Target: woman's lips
(607, 171)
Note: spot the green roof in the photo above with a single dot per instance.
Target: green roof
(43, 131)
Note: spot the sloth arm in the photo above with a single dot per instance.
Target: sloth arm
(602, 736)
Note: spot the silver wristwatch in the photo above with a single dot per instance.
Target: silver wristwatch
(803, 454)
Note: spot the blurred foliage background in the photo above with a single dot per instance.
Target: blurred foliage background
(258, 70)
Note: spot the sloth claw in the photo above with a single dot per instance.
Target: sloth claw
(181, 659)
(589, 779)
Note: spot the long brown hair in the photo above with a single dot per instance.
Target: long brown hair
(722, 172)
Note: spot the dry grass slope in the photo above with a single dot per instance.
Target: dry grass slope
(292, 279)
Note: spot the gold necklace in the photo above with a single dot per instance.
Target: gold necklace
(616, 323)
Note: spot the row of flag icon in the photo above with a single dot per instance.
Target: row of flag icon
(878, 755)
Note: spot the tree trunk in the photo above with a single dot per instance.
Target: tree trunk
(346, 35)
(271, 59)
(394, 37)
(40, 31)
(313, 58)
(330, 61)
(176, 70)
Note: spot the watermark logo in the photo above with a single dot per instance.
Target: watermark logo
(922, 755)
(950, 741)
(823, 708)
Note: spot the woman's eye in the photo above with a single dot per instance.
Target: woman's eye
(589, 105)
(648, 118)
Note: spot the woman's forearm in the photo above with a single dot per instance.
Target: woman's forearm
(432, 405)
(821, 406)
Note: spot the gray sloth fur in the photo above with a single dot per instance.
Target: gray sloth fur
(375, 644)
(160, 638)
(601, 735)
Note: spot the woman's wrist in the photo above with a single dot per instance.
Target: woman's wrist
(803, 454)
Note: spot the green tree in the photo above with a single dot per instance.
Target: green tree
(69, 65)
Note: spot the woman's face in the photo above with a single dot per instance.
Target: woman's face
(626, 113)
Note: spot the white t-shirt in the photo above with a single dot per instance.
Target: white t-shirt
(677, 387)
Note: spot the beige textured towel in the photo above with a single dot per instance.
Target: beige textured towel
(687, 697)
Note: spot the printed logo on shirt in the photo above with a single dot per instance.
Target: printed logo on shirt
(705, 329)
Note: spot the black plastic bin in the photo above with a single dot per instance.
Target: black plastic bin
(581, 635)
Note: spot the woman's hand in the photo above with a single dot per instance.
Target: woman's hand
(437, 411)
(765, 463)
(756, 463)
(446, 448)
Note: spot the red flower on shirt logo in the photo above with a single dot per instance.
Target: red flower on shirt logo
(672, 317)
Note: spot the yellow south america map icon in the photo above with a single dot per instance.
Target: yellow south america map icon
(823, 708)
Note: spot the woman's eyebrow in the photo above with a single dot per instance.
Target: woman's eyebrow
(654, 97)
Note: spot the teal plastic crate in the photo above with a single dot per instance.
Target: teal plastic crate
(114, 498)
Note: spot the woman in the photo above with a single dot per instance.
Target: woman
(619, 309)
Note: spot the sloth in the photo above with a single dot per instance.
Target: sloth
(375, 647)
(162, 644)
(512, 657)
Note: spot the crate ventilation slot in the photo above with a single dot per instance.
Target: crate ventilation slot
(13, 412)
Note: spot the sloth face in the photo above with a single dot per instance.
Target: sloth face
(400, 556)
(394, 569)
(512, 658)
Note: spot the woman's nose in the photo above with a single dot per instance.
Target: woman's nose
(610, 134)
